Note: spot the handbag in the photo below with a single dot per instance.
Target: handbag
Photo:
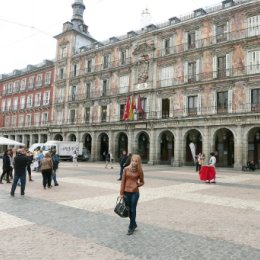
(121, 208)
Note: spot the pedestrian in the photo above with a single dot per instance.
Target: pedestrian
(197, 161)
(39, 158)
(55, 160)
(109, 158)
(212, 163)
(74, 158)
(7, 166)
(29, 170)
(201, 159)
(122, 161)
(20, 163)
(46, 168)
(132, 179)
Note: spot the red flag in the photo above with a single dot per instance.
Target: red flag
(131, 108)
(127, 107)
(139, 106)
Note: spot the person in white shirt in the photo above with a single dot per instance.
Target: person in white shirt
(212, 162)
(75, 158)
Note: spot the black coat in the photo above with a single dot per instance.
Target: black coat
(7, 162)
(20, 163)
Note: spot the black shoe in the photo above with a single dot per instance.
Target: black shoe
(56, 184)
(31, 180)
(134, 227)
(22, 194)
(49, 187)
(119, 179)
(130, 232)
(12, 194)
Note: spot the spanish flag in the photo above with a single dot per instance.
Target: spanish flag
(131, 108)
(126, 111)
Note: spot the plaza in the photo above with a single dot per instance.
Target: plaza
(178, 216)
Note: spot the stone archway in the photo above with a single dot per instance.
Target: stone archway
(166, 147)
(254, 146)
(88, 144)
(143, 146)
(58, 137)
(104, 145)
(224, 147)
(193, 146)
(72, 137)
(122, 144)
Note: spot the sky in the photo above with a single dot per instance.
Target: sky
(28, 27)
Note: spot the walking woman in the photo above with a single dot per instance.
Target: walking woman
(133, 178)
(46, 168)
(7, 166)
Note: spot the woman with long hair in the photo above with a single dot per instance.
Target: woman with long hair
(46, 168)
(132, 179)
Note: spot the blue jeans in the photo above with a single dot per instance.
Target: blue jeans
(22, 177)
(131, 200)
(54, 176)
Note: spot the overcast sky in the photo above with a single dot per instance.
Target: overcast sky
(27, 27)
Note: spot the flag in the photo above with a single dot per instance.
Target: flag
(126, 111)
(139, 106)
(131, 108)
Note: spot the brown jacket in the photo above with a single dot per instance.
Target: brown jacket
(46, 164)
(131, 181)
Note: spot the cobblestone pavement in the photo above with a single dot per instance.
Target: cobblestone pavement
(178, 216)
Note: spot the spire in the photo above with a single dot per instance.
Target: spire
(146, 18)
(78, 10)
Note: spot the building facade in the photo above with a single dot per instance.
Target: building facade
(26, 98)
(189, 84)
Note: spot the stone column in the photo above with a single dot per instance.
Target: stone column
(131, 145)
(206, 144)
(178, 152)
(238, 149)
(152, 147)
(94, 145)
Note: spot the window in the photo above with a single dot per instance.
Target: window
(89, 65)
(166, 77)
(221, 33)
(166, 46)
(123, 57)
(123, 84)
(59, 117)
(21, 120)
(61, 73)
(9, 101)
(31, 82)
(36, 119)
(165, 108)
(3, 105)
(222, 102)
(16, 86)
(191, 72)
(7, 121)
(72, 116)
(73, 93)
(88, 89)
(23, 84)
(253, 62)
(192, 105)
(122, 110)
(104, 87)
(13, 123)
(60, 95)
(63, 52)
(28, 120)
(104, 114)
(39, 80)
(15, 103)
(44, 118)
(106, 61)
(4, 89)
(87, 114)
(46, 98)
(37, 100)
(75, 71)
(22, 102)
(191, 40)
(253, 25)
(222, 66)
(29, 101)
(48, 78)
(255, 100)
(10, 88)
